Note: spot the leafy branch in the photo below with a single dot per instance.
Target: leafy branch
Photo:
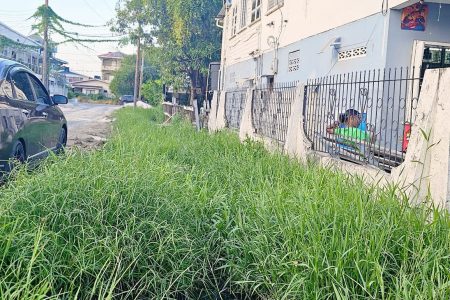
(47, 16)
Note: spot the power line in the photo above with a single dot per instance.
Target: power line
(94, 10)
(107, 4)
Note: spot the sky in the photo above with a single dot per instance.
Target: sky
(15, 13)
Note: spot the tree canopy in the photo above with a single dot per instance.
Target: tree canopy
(123, 81)
(184, 31)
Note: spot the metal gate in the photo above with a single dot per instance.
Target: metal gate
(364, 117)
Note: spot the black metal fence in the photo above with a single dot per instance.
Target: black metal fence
(364, 117)
(234, 107)
(271, 110)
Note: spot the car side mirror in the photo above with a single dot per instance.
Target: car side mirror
(60, 99)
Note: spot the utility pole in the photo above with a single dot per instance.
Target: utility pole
(45, 64)
(137, 72)
(141, 78)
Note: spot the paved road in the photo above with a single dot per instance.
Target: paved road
(88, 124)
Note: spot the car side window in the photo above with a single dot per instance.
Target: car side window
(6, 88)
(22, 86)
(41, 94)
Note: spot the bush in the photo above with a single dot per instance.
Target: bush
(164, 212)
(152, 91)
(71, 94)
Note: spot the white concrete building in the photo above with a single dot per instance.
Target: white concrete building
(92, 87)
(291, 40)
(27, 51)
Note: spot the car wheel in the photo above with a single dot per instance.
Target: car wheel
(18, 155)
(62, 140)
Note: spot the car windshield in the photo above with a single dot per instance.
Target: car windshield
(127, 98)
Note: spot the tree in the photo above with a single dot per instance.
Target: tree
(186, 33)
(123, 81)
(132, 19)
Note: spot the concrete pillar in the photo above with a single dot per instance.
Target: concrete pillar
(424, 174)
(297, 144)
(212, 117)
(217, 115)
(246, 130)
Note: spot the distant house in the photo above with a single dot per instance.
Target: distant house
(91, 87)
(72, 76)
(111, 62)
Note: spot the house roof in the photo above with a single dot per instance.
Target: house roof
(117, 55)
(67, 72)
(60, 61)
(89, 83)
(37, 38)
(11, 34)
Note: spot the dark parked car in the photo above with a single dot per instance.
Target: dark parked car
(126, 99)
(31, 123)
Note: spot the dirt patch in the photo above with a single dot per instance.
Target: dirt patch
(92, 135)
(89, 126)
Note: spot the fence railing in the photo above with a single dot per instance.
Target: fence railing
(271, 110)
(364, 117)
(171, 109)
(234, 107)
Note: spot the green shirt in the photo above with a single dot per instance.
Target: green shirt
(352, 133)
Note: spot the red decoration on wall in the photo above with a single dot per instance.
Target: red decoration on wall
(414, 17)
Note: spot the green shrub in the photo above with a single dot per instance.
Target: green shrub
(152, 91)
(164, 212)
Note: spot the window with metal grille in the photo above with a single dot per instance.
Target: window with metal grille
(274, 3)
(363, 117)
(256, 10)
(294, 61)
(243, 13)
(234, 21)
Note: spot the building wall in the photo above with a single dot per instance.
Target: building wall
(318, 57)
(109, 67)
(295, 20)
(400, 42)
(249, 55)
(25, 55)
(57, 87)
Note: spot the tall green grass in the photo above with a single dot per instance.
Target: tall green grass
(163, 212)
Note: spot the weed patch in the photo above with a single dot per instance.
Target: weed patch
(163, 212)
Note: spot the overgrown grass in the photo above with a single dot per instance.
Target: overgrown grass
(163, 212)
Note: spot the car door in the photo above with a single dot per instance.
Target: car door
(24, 99)
(46, 109)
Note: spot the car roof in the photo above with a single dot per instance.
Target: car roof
(5, 64)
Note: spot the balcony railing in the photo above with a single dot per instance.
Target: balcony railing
(110, 68)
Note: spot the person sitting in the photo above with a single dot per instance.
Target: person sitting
(349, 130)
